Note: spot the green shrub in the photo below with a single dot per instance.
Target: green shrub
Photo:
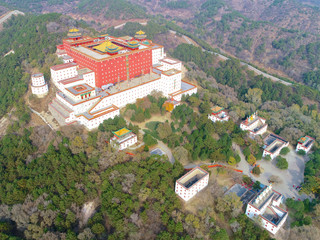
(268, 158)
(246, 179)
(284, 151)
(149, 140)
(282, 163)
(301, 152)
(256, 170)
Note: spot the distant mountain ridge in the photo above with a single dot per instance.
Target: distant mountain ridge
(281, 34)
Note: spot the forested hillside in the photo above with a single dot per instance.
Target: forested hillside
(281, 34)
(32, 43)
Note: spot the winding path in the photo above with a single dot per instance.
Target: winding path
(7, 15)
(37, 113)
(257, 71)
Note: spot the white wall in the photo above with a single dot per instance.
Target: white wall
(63, 73)
(187, 194)
(40, 90)
(157, 54)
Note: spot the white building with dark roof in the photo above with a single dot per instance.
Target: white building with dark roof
(254, 124)
(305, 143)
(192, 183)
(265, 207)
(39, 87)
(273, 145)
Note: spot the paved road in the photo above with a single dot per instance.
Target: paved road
(164, 148)
(123, 24)
(167, 150)
(6, 16)
(257, 71)
(275, 79)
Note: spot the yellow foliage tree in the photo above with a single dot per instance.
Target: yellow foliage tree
(168, 106)
(251, 159)
(232, 161)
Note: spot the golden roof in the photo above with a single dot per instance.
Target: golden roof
(216, 109)
(103, 47)
(73, 30)
(133, 42)
(140, 32)
(121, 132)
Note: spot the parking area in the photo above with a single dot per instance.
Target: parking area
(289, 178)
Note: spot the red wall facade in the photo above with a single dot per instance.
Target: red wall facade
(110, 70)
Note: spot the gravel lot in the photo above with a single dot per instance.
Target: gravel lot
(292, 176)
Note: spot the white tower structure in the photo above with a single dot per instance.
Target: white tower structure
(39, 87)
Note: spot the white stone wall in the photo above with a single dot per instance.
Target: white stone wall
(214, 118)
(89, 79)
(128, 143)
(187, 194)
(37, 81)
(63, 86)
(69, 60)
(78, 108)
(95, 122)
(63, 74)
(157, 54)
(40, 90)
(301, 147)
(170, 84)
(167, 66)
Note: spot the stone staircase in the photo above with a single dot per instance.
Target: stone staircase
(59, 111)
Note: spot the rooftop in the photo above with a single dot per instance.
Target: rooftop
(274, 146)
(121, 132)
(140, 32)
(64, 66)
(273, 138)
(171, 72)
(66, 57)
(170, 60)
(274, 214)
(124, 85)
(216, 109)
(84, 71)
(71, 80)
(80, 89)
(192, 177)
(36, 75)
(74, 30)
(263, 197)
(306, 141)
(99, 49)
(107, 46)
(91, 115)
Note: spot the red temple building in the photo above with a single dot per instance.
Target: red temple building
(112, 59)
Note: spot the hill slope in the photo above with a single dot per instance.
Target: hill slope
(278, 34)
